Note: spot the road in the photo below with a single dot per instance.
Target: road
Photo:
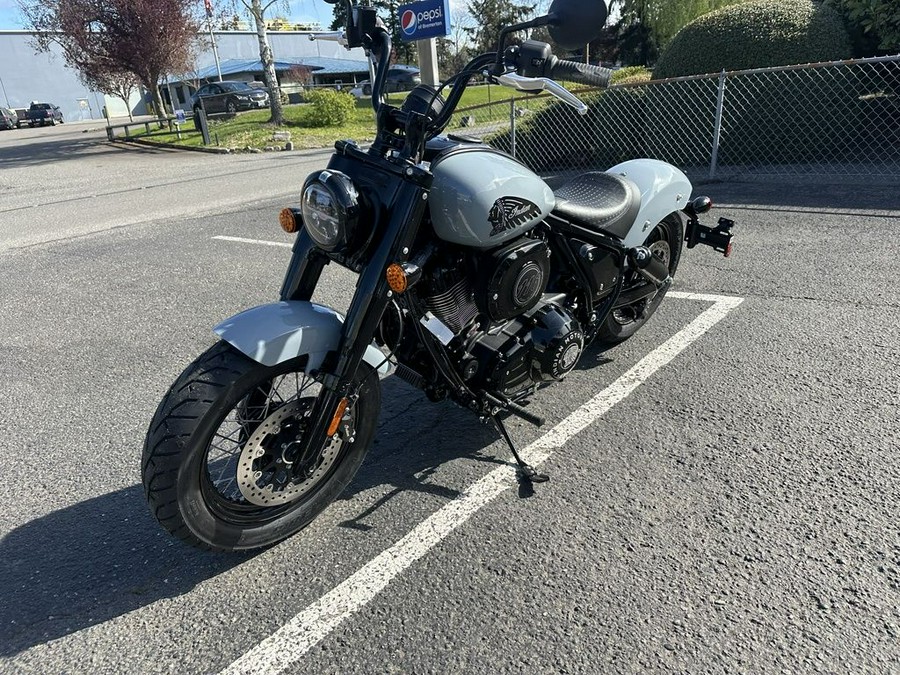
(731, 505)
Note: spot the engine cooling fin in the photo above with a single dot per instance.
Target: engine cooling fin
(455, 307)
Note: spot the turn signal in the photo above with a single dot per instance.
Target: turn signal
(288, 221)
(338, 416)
(396, 278)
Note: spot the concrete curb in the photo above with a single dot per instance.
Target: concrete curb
(173, 146)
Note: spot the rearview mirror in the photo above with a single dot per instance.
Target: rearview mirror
(574, 23)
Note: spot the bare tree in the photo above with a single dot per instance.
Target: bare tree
(146, 38)
(121, 84)
(257, 9)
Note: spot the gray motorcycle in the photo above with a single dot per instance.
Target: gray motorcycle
(478, 283)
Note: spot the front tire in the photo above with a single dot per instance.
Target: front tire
(665, 242)
(215, 467)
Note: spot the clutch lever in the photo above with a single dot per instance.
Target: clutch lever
(338, 36)
(522, 83)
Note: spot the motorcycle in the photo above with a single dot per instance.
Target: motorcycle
(477, 283)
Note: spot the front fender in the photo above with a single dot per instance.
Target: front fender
(664, 189)
(271, 334)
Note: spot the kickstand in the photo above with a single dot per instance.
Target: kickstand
(526, 472)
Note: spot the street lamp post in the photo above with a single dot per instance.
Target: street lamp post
(4, 93)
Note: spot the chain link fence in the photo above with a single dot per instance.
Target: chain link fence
(839, 118)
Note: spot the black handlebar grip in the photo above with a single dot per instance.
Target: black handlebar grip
(582, 73)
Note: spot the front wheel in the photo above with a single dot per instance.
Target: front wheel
(223, 465)
(665, 242)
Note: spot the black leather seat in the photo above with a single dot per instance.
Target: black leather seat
(599, 201)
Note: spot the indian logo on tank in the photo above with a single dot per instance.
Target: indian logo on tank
(507, 213)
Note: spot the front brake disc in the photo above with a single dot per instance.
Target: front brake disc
(265, 475)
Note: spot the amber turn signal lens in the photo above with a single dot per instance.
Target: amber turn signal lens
(396, 278)
(338, 415)
(288, 221)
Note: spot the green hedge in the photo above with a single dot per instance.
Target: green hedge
(756, 34)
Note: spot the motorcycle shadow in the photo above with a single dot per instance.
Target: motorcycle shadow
(89, 563)
(415, 438)
(104, 557)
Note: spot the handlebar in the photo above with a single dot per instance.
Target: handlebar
(582, 73)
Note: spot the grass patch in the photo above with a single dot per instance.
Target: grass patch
(251, 129)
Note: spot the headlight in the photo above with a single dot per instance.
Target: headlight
(330, 209)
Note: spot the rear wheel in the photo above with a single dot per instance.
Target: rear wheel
(665, 242)
(222, 464)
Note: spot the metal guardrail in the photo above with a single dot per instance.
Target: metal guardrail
(171, 124)
(836, 118)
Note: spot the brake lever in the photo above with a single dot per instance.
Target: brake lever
(338, 36)
(522, 83)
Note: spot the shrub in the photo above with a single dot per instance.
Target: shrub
(874, 24)
(756, 34)
(328, 108)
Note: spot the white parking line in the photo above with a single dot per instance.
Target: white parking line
(289, 643)
(261, 242)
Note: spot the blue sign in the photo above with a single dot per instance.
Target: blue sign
(425, 19)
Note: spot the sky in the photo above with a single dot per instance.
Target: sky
(300, 11)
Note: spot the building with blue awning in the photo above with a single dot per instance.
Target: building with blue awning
(42, 76)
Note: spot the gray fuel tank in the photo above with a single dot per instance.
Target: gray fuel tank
(482, 198)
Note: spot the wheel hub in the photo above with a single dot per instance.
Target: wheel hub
(661, 250)
(266, 472)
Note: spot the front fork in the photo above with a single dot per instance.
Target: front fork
(369, 302)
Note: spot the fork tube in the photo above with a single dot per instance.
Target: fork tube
(369, 302)
(304, 270)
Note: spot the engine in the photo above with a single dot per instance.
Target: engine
(540, 346)
(508, 333)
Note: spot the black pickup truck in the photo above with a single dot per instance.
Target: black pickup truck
(44, 113)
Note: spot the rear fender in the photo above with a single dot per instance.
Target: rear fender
(664, 190)
(274, 333)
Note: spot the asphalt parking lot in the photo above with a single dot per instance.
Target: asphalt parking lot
(725, 497)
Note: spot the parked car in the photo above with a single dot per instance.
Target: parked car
(228, 97)
(399, 78)
(44, 113)
(8, 119)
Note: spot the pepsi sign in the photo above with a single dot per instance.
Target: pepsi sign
(424, 20)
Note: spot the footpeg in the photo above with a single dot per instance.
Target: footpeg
(653, 269)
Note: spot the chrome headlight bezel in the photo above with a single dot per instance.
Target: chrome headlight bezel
(330, 209)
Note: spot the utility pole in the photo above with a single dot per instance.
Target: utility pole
(4, 93)
(428, 61)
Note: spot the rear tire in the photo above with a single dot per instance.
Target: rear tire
(665, 241)
(193, 468)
